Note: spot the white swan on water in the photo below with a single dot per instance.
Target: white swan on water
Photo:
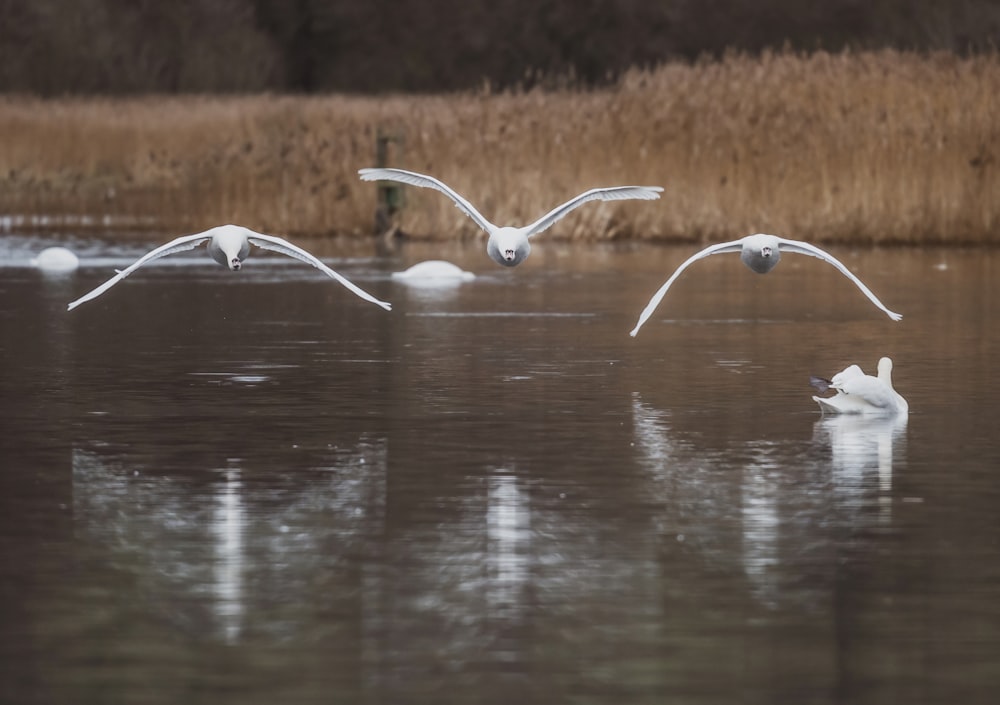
(858, 393)
(760, 253)
(434, 271)
(56, 259)
(229, 245)
(509, 245)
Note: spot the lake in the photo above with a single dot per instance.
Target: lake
(255, 487)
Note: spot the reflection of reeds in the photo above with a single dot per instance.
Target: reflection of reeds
(870, 147)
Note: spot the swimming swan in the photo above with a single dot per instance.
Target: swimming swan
(858, 393)
(56, 259)
(229, 245)
(434, 271)
(509, 245)
(760, 253)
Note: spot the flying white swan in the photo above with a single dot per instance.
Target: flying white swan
(229, 245)
(858, 393)
(760, 253)
(509, 245)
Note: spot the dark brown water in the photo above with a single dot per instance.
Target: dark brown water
(257, 488)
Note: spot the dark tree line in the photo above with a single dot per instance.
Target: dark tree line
(133, 46)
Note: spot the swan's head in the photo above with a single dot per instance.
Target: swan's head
(509, 247)
(760, 253)
(885, 368)
(234, 250)
(229, 246)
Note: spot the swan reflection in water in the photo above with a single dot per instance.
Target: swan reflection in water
(229, 525)
(863, 449)
(222, 547)
(761, 523)
(727, 517)
(777, 509)
(508, 531)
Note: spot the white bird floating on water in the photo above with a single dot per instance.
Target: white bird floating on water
(509, 245)
(858, 393)
(56, 259)
(229, 245)
(434, 272)
(760, 253)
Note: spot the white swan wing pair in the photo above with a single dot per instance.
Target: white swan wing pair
(612, 193)
(784, 245)
(267, 242)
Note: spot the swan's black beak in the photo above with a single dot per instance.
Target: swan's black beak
(508, 255)
(765, 252)
(235, 265)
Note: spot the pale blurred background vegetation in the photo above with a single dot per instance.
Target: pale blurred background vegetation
(866, 122)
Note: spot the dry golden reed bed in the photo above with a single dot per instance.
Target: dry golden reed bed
(881, 147)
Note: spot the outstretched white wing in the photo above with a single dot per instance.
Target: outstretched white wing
(187, 242)
(276, 244)
(804, 248)
(734, 246)
(415, 179)
(612, 193)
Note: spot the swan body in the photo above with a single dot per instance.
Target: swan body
(510, 245)
(56, 259)
(434, 270)
(761, 253)
(229, 245)
(858, 393)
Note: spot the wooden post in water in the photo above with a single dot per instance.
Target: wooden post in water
(388, 149)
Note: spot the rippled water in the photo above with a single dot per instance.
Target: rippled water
(257, 488)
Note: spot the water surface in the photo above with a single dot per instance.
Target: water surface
(257, 488)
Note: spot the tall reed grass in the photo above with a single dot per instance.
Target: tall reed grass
(880, 147)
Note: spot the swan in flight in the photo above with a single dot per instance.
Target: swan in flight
(858, 393)
(509, 245)
(228, 245)
(760, 253)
